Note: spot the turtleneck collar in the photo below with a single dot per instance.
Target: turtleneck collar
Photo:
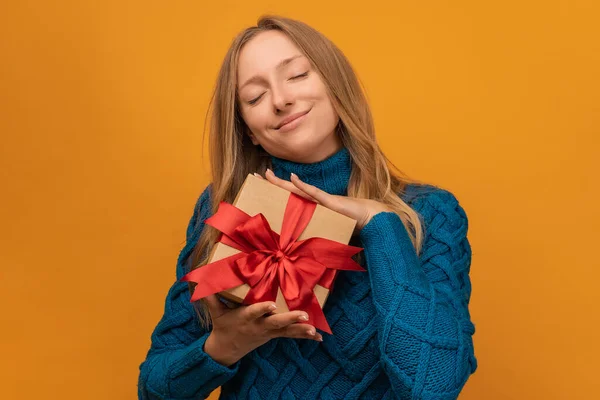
(331, 175)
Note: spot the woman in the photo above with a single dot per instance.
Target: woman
(288, 106)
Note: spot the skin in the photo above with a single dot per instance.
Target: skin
(272, 94)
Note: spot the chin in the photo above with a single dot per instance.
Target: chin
(299, 145)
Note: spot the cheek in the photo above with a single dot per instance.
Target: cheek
(321, 96)
(317, 90)
(327, 112)
(256, 118)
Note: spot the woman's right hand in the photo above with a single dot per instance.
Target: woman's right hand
(236, 332)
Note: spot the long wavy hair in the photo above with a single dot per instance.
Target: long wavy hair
(233, 156)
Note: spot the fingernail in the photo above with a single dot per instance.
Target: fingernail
(294, 175)
(312, 333)
(269, 171)
(303, 318)
(320, 338)
(272, 307)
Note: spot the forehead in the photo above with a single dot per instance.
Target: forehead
(263, 52)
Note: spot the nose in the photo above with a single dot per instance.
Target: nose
(282, 98)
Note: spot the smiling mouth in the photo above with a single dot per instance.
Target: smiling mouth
(291, 121)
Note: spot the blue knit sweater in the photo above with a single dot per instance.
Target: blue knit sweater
(400, 330)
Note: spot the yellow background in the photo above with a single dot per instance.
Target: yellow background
(103, 105)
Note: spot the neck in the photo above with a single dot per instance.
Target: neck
(331, 175)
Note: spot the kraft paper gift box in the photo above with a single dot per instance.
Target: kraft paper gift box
(260, 196)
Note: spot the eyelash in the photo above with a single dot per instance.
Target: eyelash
(253, 101)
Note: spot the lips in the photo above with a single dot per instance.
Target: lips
(291, 118)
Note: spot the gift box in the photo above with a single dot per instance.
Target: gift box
(276, 246)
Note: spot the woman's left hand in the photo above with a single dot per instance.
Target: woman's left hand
(361, 210)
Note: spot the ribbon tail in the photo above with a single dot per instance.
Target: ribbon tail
(328, 278)
(348, 265)
(315, 313)
(321, 247)
(214, 277)
(311, 306)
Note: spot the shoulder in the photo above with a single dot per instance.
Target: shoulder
(438, 207)
(202, 210)
(203, 201)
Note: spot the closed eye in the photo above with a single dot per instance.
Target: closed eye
(254, 100)
(300, 76)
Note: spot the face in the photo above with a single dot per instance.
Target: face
(277, 83)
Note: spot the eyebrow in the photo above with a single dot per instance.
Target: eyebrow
(281, 64)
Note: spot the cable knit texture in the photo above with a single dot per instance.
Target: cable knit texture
(401, 330)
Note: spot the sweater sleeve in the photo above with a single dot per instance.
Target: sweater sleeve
(424, 327)
(176, 366)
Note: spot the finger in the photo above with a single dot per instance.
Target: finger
(258, 176)
(319, 195)
(271, 177)
(215, 307)
(298, 331)
(287, 185)
(281, 320)
(257, 310)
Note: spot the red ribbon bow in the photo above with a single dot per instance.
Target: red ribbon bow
(268, 261)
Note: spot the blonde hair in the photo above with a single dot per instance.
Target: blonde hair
(233, 156)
